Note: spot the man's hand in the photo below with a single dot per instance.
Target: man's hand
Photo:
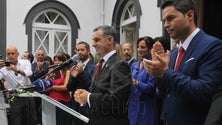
(135, 82)
(80, 96)
(157, 49)
(12, 67)
(2, 63)
(160, 61)
(38, 67)
(75, 70)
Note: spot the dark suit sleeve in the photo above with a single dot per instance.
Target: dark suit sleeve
(70, 84)
(214, 116)
(38, 75)
(83, 80)
(112, 92)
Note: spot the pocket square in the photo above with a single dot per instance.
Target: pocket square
(189, 59)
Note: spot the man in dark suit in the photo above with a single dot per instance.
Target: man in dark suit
(81, 76)
(190, 86)
(214, 116)
(108, 95)
(39, 69)
(128, 52)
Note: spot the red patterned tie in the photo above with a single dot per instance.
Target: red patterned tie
(181, 53)
(99, 69)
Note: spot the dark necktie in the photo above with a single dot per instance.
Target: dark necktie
(180, 57)
(99, 69)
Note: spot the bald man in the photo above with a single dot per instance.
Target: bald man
(16, 75)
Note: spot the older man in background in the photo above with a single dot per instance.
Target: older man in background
(128, 52)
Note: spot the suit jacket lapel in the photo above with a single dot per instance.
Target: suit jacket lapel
(190, 49)
(106, 67)
(173, 58)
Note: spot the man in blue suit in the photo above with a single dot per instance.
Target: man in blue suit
(191, 86)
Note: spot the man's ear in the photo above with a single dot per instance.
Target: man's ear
(190, 15)
(111, 40)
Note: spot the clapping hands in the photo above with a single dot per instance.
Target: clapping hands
(160, 61)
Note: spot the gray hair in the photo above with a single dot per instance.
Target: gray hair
(107, 31)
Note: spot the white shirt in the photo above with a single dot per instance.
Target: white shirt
(12, 79)
(187, 41)
(85, 63)
(107, 56)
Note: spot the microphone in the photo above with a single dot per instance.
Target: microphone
(52, 66)
(75, 58)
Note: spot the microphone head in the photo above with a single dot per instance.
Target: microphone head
(75, 58)
(52, 66)
(42, 85)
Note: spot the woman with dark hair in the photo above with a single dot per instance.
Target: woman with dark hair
(142, 107)
(48, 60)
(59, 91)
(164, 41)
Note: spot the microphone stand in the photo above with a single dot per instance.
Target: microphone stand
(59, 67)
(52, 71)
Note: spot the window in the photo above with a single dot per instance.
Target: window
(51, 32)
(128, 25)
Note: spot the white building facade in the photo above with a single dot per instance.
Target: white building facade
(57, 25)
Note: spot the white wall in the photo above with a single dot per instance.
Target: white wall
(89, 13)
(16, 13)
(109, 8)
(150, 23)
(88, 17)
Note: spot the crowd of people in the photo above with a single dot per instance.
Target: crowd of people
(158, 86)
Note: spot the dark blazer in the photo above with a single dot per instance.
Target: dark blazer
(132, 61)
(214, 116)
(82, 81)
(37, 75)
(190, 89)
(110, 93)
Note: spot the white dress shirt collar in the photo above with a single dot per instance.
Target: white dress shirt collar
(188, 39)
(85, 63)
(108, 55)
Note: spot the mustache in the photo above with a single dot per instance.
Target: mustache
(127, 54)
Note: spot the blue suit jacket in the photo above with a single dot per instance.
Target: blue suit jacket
(142, 106)
(191, 87)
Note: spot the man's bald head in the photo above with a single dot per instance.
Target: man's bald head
(12, 54)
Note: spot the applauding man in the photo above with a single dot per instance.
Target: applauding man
(192, 73)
